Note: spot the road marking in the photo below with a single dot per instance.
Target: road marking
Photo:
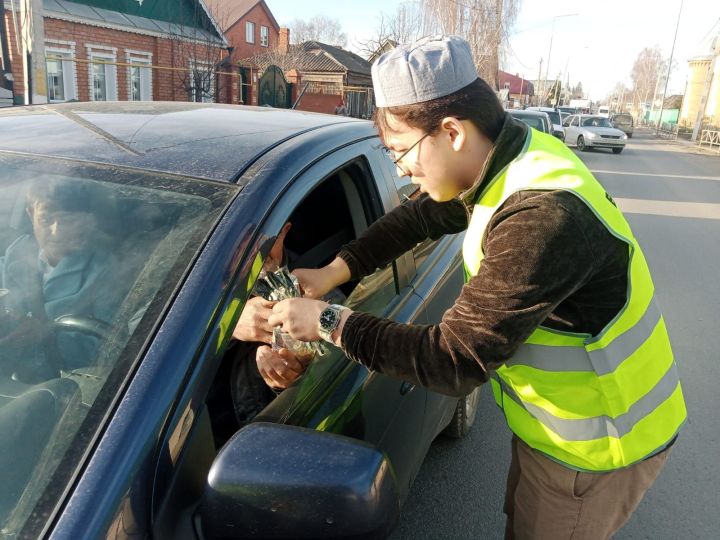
(658, 175)
(669, 208)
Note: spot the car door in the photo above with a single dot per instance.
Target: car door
(437, 278)
(336, 394)
(571, 130)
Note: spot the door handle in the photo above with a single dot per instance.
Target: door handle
(405, 387)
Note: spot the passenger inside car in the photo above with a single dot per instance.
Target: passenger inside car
(59, 268)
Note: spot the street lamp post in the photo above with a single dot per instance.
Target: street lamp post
(667, 79)
(552, 34)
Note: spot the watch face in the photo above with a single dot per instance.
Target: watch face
(327, 318)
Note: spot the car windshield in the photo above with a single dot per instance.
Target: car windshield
(89, 256)
(622, 119)
(596, 121)
(554, 116)
(532, 121)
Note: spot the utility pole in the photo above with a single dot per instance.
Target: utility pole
(33, 51)
(538, 81)
(552, 34)
(667, 79)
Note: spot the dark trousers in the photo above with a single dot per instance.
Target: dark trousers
(546, 500)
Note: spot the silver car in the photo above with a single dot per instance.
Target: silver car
(554, 114)
(587, 131)
(534, 119)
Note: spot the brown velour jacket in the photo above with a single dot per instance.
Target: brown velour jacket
(548, 261)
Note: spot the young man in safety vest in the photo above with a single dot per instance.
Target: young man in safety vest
(558, 311)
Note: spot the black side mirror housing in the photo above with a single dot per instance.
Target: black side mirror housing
(274, 481)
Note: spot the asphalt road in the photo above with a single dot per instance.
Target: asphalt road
(671, 197)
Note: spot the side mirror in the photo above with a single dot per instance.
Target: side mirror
(282, 482)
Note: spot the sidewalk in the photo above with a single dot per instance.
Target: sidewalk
(682, 145)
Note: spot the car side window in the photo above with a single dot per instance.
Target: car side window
(576, 121)
(568, 121)
(406, 191)
(334, 212)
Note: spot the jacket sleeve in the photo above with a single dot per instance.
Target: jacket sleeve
(400, 230)
(535, 257)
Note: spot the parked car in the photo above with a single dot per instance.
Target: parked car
(591, 131)
(535, 119)
(624, 122)
(175, 207)
(554, 115)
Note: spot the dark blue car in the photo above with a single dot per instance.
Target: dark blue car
(131, 237)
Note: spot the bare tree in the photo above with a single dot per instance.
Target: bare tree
(619, 97)
(646, 72)
(197, 52)
(484, 24)
(403, 26)
(284, 59)
(318, 28)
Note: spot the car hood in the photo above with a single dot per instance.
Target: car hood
(604, 131)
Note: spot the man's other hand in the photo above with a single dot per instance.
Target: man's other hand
(278, 368)
(253, 324)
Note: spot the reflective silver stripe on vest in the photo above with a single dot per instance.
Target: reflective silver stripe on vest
(585, 429)
(601, 361)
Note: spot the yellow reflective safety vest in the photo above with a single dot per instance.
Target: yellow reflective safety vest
(592, 403)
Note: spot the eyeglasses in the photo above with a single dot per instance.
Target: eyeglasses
(397, 160)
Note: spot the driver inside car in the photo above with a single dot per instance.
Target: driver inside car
(254, 384)
(62, 269)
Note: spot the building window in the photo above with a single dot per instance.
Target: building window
(202, 82)
(102, 74)
(99, 82)
(61, 80)
(250, 32)
(139, 75)
(264, 36)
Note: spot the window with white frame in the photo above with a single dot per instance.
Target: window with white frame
(250, 32)
(60, 66)
(202, 82)
(139, 75)
(264, 36)
(102, 73)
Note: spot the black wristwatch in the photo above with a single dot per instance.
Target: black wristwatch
(329, 321)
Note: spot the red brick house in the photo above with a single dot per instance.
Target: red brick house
(108, 50)
(519, 90)
(251, 30)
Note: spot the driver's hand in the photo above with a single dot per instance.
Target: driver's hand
(278, 368)
(253, 324)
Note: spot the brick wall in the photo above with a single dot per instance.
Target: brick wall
(15, 55)
(322, 103)
(168, 84)
(236, 34)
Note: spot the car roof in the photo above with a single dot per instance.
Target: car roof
(205, 140)
(527, 112)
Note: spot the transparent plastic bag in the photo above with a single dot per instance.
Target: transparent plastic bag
(281, 285)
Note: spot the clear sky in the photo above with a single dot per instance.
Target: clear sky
(598, 44)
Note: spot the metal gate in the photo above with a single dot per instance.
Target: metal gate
(274, 90)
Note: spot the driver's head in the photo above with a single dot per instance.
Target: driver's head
(62, 215)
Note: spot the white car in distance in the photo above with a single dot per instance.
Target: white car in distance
(586, 131)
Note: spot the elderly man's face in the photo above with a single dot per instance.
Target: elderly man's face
(59, 232)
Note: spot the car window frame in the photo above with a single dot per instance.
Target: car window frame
(275, 217)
